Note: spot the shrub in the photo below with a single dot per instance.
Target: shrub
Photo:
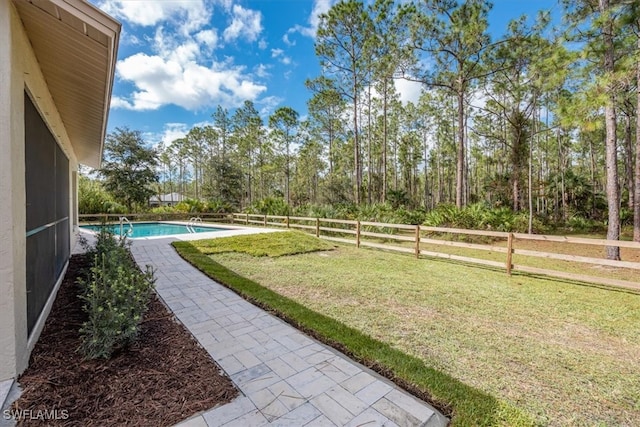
(579, 224)
(218, 206)
(480, 216)
(93, 198)
(448, 215)
(270, 206)
(190, 206)
(116, 295)
(315, 211)
(626, 216)
(163, 210)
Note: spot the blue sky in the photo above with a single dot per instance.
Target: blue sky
(178, 60)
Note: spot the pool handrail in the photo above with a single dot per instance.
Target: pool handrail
(192, 221)
(124, 219)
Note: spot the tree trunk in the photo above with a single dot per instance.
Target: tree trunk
(369, 160)
(384, 148)
(636, 206)
(330, 150)
(460, 157)
(592, 171)
(563, 191)
(530, 176)
(628, 159)
(356, 144)
(426, 178)
(515, 190)
(288, 173)
(613, 194)
(611, 160)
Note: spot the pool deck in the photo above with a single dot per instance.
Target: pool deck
(285, 377)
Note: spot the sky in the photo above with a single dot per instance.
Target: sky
(179, 59)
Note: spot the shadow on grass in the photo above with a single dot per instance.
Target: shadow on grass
(465, 405)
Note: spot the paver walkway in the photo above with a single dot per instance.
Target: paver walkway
(285, 377)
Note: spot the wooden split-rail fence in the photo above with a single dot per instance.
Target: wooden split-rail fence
(412, 238)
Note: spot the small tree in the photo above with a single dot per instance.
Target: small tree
(129, 167)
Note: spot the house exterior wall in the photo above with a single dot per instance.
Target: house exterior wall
(19, 72)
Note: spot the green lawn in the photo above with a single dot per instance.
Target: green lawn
(486, 345)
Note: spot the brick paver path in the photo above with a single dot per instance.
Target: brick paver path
(285, 377)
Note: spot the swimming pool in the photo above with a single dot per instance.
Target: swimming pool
(152, 229)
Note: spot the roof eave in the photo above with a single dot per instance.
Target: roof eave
(87, 33)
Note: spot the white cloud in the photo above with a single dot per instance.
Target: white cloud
(226, 4)
(174, 72)
(479, 98)
(162, 81)
(178, 48)
(319, 7)
(245, 23)
(191, 14)
(287, 41)
(261, 70)
(208, 38)
(118, 102)
(129, 39)
(178, 65)
(268, 104)
(279, 54)
(409, 91)
(173, 131)
(262, 44)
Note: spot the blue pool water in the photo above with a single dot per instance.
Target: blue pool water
(152, 229)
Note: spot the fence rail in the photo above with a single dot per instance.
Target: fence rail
(357, 232)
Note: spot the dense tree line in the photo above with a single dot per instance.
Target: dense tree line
(543, 120)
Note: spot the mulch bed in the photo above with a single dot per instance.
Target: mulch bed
(163, 378)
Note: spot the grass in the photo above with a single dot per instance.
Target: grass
(495, 350)
(269, 244)
(592, 251)
(551, 264)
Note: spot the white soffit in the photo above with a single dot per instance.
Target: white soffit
(76, 47)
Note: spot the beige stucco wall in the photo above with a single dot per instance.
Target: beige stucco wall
(19, 71)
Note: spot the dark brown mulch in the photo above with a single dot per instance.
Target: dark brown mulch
(163, 378)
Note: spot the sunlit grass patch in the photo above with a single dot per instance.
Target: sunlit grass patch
(264, 244)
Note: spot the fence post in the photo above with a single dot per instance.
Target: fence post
(233, 217)
(509, 253)
(317, 227)
(417, 241)
(246, 219)
(358, 234)
(265, 220)
(287, 221)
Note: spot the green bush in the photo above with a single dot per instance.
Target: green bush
(580, 224)
(270, 206)
(626, 216)
(218, 206)
(163, 210)
(94, 199)
(480, 216)
(116, 295)
(190, 206)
